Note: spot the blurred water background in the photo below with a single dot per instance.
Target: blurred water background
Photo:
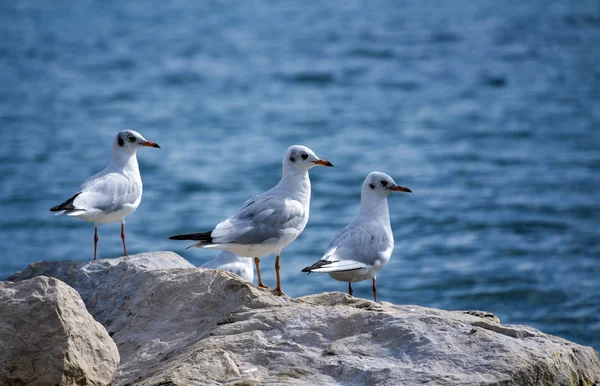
(489, 111)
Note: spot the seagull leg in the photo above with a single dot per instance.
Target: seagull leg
(278, 290)
(123, 237)
(350, 288)
(375, 289)
(257, 264)
(95, 240)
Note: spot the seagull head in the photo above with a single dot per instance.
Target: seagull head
(302, 158)
(128, 141)
(381, 184)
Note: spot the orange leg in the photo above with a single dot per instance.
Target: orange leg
(278, 290)
(257, 264)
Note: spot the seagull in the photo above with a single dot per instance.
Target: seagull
(227, 261)
(267, 223)
(115, 192)
(363, 247)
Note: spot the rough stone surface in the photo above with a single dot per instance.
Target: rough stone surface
(103, 284)
(195, 326)
(48, 338)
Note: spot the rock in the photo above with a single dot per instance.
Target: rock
(103, 284)
(194, 326)
(48, 337)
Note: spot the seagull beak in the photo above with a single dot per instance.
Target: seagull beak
(399, 188)
(323, 162)
(151, 144)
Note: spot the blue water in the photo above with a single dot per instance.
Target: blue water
(488, 111)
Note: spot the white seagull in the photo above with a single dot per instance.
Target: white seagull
(363, 247)
(115, 192)
(227, 261)
(267, 223)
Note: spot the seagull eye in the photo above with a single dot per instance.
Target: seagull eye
(131, 138)
(304, 156)
(383, 182)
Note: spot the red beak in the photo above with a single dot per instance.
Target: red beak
(151, 144)
(323, 162)
(399, 188)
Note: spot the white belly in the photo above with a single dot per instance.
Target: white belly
(255, 250)
(360, 274)
(98, 217)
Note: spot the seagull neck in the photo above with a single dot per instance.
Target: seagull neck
(125, 160)
(375, 207)
(296, 182)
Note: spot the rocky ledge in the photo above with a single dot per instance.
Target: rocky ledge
(174, 324)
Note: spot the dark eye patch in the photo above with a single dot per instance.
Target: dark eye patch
(304, 156)
(372, 186)
(121, 142)
(131, 138)
(383, 182)
(292, 158)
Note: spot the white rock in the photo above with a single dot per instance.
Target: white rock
(195, 326)
(48, 337)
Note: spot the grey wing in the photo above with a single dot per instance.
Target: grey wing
(353, 247)
(109, 192)
(262, 218)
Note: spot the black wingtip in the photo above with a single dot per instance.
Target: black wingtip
(67, 205)
(204, 236)
(179, 237)
(318, 264)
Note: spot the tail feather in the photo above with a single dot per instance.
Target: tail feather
(70, 213)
